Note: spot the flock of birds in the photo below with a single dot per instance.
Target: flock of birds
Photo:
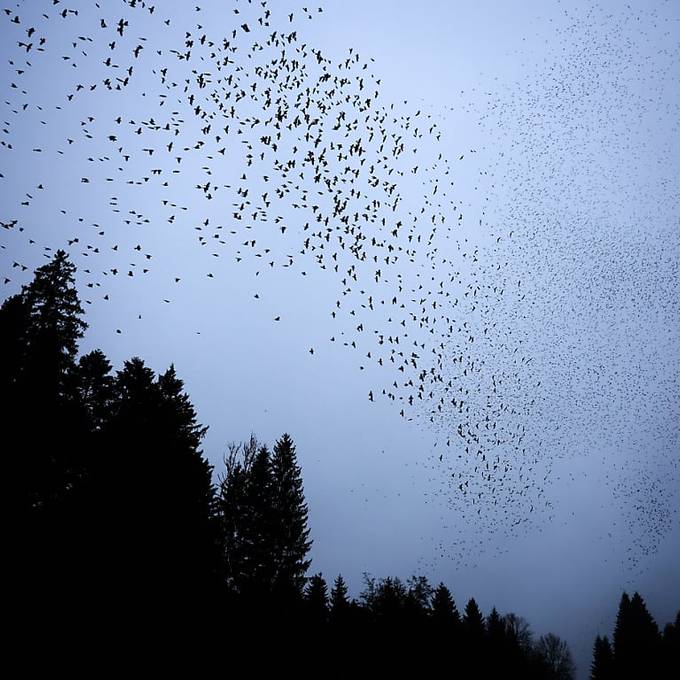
(251, 148)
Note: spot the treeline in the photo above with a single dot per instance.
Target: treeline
(118, 516)
(640, 650)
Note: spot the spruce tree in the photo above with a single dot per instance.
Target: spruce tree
(41, 329)
(290, 544)
(339, 602)
(316, 601)
(44, 431)
(258, 557)
(646, 638)
(155, 493)
(473, 621)
(602, 667)
(670, 649)
(96, 388)
(624, 639)
(443, 609)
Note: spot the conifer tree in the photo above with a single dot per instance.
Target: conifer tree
(258, 556)
(443, 608)
(290, 538)
(646, 650)
(473, 620)
(622, 632)
(671, 648)
(497, 646)
(44, 430)
(339, 602)
(41, 328)
(316, 600)
(96, 388)
(155, 491)
(602, 667)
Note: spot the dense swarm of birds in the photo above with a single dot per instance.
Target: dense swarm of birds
(591, 258)
(248, 147)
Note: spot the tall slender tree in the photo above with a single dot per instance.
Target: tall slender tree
(44, 431)
(290, 539)
(602, 667)
(339, 602)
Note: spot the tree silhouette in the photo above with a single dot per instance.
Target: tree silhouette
(623, 634)
(96, 388)
(473, 621)
(155, 495)
(44, 433)
(519, 630)
(41, 328)
(555, 656)
(639, 650)
(339, 603)
(316, 601)
(444, 612)
(671, 648)
(602, 667)
(290, 540)
(119, 520)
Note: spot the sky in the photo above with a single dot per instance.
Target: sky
(545, 141)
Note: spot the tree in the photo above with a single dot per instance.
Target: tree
(155, 494)
(556, 656)
(316, 600)
(519, 630)
(96, 388)
(44, 432)
(443, 609)
(236, 514)
(417, 600)
(602, 667)
(671, 648)
(290, 539)
(339, 602)
(622, 632)
(473, 621)
(41, 327)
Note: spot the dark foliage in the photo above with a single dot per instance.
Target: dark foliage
(639, 650)
(121, 529)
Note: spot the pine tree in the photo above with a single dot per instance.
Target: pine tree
(257, 538)
(96, 388)
(443, 609)
(41, 329)
(55, 306)
(291, 543)
(622, 633)
(473, 620)
(670, 652)
(316, 600)
(602, 667)
(646, 638)
(44, 431)
(339, 602)
(155, 493)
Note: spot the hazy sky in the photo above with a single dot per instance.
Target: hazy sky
(559, 122)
